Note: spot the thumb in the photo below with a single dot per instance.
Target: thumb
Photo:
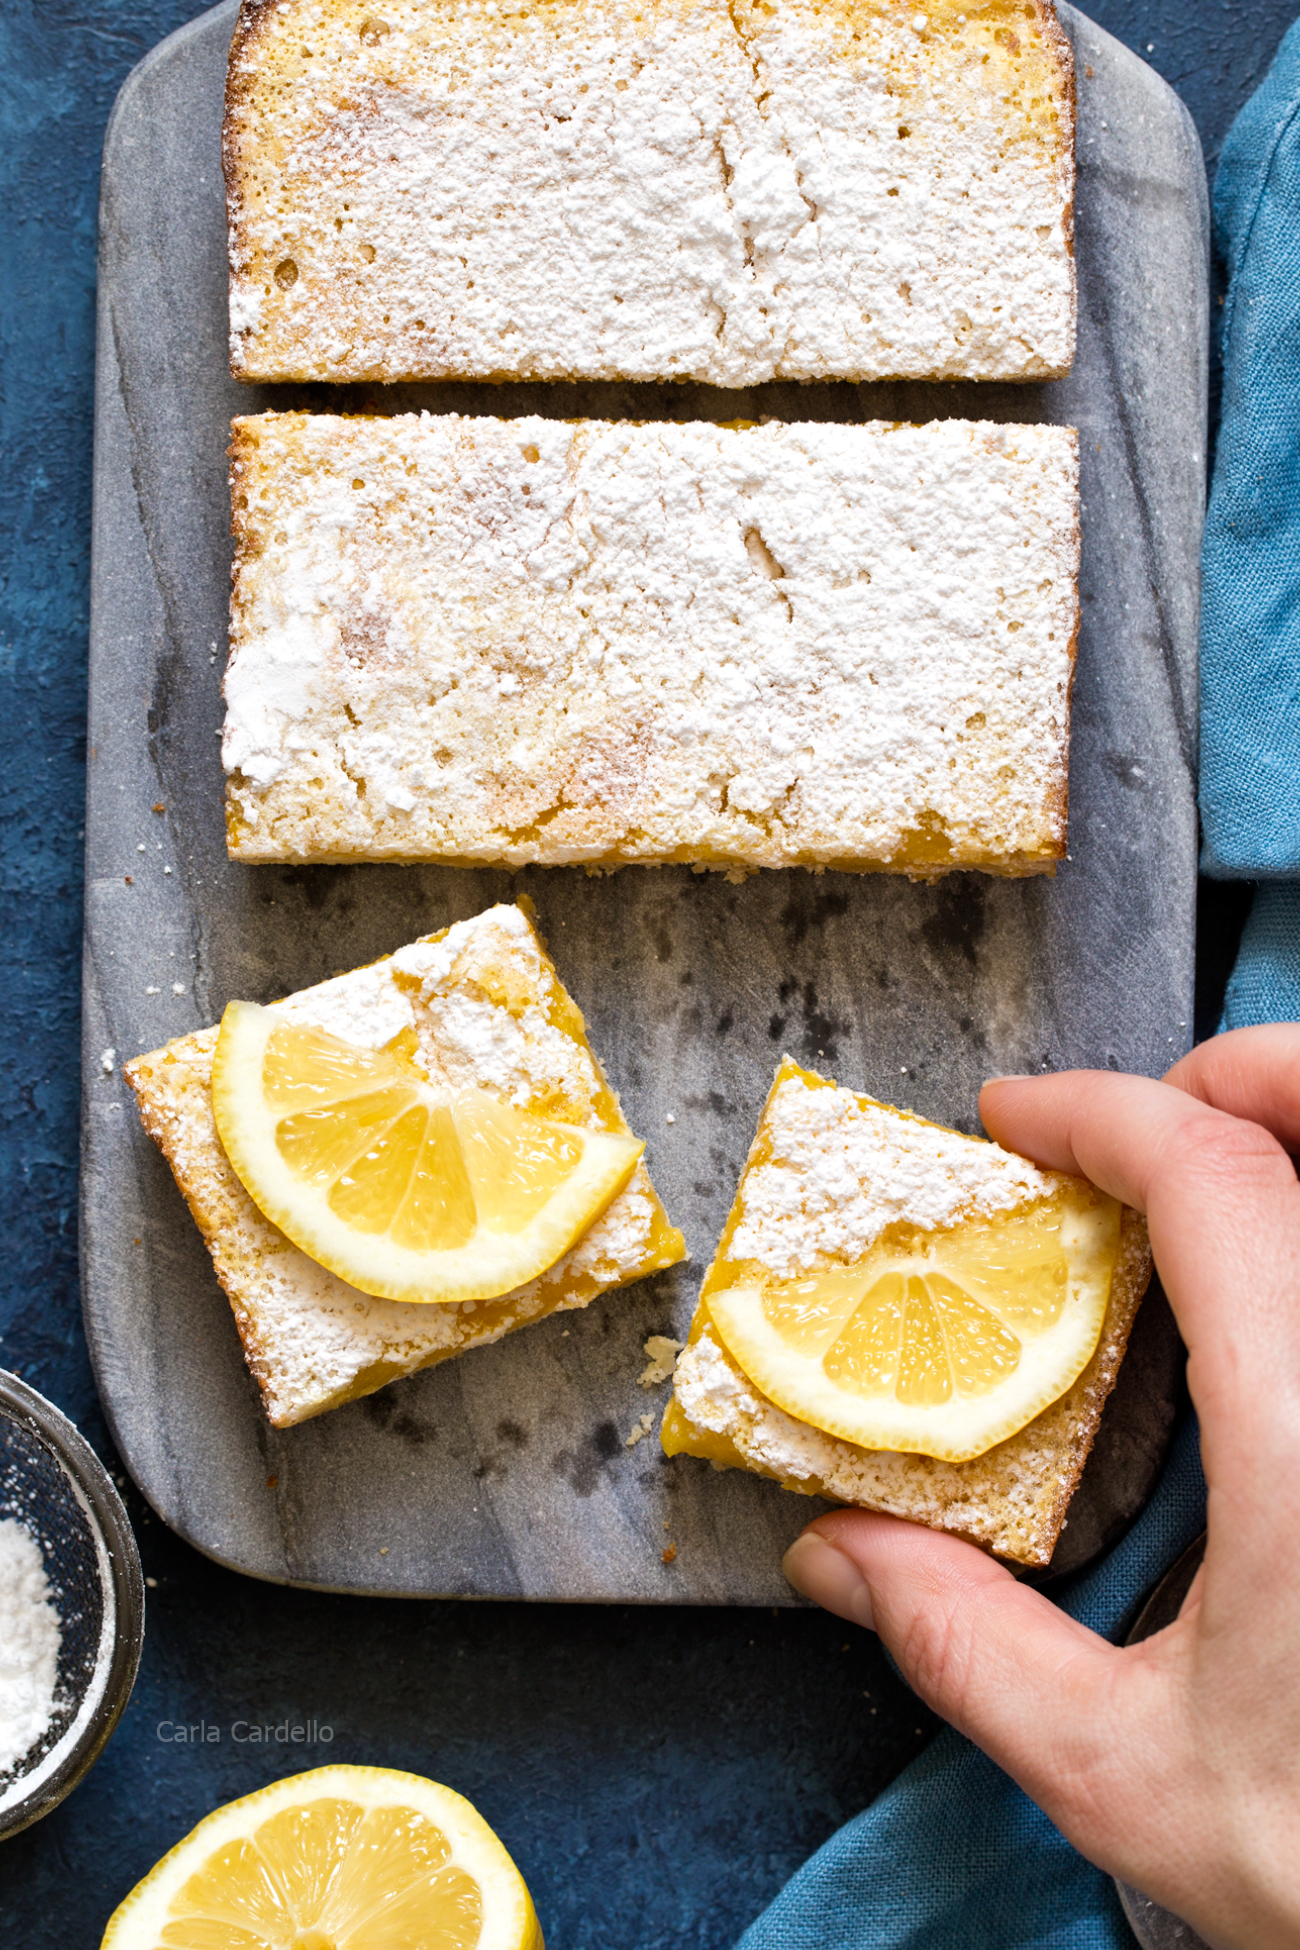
(1029, 1685)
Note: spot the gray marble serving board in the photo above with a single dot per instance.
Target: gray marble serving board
(506, 1473)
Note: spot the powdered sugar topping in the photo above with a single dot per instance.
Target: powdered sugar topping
(532, 640)
(841, 1170)
(467, 1036)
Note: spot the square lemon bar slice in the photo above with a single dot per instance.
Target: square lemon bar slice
(486, 1009)
(834, 1179)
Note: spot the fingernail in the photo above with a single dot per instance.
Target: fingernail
(1010, 1076)
(829, 1578)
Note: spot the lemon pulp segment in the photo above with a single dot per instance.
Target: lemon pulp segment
(342, 1858)
(407, 1191)
(942, 1343)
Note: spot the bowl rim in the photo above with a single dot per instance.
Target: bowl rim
(51, 1427)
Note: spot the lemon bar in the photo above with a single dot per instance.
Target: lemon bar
(832, 1177)
(723, 190)
(543, 642)
(488, 1010)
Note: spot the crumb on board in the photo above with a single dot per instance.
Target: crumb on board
(669, 1553)
(662, 1359)
(641, 1428)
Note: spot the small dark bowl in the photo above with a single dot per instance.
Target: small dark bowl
(54, 1484)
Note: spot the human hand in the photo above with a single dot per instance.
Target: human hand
(1173, 1764)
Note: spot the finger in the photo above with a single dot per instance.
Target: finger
(1050, 1118)
(1124, 1133)
(1251, 1073)
(814, 1566)
(1200, 1174)
(1032, 1687)
(1223, 1204)
(1099, 1737)
(1220, 1193)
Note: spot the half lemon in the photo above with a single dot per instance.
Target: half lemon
(405, 1190)
(341, 1858)
(942, 1343)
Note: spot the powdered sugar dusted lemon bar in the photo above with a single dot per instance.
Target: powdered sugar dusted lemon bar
(650, 189)
(489, 1010)
(829, 1175)
(539, 641)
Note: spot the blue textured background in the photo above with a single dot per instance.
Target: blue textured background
(656, 1774)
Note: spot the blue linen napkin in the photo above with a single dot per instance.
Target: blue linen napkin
(1250, 628)
(953, 1856)
(1265, 984)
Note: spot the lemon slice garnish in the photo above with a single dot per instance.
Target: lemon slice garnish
(942, 1343)
(341, 1858)
(404, 1190)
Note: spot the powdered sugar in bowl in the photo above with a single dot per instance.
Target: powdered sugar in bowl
(71, 1606)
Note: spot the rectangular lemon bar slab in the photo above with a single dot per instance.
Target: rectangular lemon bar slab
(829, 1171)
(650, 189)
(533, 641)
(488, 1009)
